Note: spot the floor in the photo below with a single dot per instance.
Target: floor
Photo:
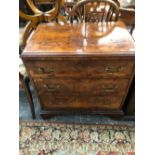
(24, 114)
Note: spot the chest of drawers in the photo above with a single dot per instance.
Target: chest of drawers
(84, 68)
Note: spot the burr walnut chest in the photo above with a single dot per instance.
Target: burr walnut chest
(80, 68)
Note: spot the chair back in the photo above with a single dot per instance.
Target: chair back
(96, 10)
(37, 17)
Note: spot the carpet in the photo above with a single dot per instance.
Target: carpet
(47, 138)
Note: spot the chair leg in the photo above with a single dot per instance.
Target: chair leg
(132, 28)
(29, 97)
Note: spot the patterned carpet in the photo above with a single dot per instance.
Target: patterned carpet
(46, 138)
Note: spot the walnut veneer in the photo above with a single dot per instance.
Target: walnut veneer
(82, 68)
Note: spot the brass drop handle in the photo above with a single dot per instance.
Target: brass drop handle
(111, 89)
(114, 69)
(48, 70)
(52, 88)
(40, 70)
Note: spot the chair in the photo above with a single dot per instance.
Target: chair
(96, 10)
(24, 80)
(39, 17)
(33, 21)
(127, 15)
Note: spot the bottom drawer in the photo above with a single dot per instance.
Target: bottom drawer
(50, 102)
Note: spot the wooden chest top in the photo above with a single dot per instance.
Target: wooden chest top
(110, 38)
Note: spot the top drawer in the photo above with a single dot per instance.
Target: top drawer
(80, 68)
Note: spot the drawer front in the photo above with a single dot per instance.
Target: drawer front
(81, 86)
(50, 102)
(80, 68)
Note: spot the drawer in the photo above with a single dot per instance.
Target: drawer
(82, 86)
(80, 68)
(50, 102)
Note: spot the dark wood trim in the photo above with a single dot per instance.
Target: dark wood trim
(113, 113)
